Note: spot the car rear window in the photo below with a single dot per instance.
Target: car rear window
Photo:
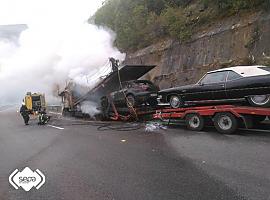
(265, 68)
(233, 76)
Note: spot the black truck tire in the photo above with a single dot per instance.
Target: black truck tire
(194, 122)
(225, 123)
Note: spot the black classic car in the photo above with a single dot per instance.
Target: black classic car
(248, 83)
(135, 93)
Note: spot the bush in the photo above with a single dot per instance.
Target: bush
(233, 6)
(176, 23)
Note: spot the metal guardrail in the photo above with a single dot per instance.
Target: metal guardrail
(55, 108)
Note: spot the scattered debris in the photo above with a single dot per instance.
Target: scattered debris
(154, 126)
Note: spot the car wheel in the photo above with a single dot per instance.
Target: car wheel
(176, 101)
(153, 102)
(131, 102)
(194, 122)
(259, 100)
(225, 123)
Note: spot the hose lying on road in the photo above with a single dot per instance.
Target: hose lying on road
(126, 127)
(104, 126)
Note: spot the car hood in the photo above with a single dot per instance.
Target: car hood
(170, 90)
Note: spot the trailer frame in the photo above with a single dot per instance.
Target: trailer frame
(226, 118)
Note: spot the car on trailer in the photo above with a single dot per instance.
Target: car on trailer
(242, 84)
(136, 93)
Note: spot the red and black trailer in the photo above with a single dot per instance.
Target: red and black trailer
(226, 118)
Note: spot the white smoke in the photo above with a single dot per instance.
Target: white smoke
(51, 51)
(90, 108)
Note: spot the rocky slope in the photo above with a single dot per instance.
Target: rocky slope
(239, 40)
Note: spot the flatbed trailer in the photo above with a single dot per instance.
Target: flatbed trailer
(226, 118)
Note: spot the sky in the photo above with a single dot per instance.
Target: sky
(44, 11)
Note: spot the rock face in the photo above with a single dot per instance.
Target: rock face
(241, 40)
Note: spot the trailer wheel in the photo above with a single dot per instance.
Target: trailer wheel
(225, 123)
(194, 122)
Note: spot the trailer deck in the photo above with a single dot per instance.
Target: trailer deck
(226, 118)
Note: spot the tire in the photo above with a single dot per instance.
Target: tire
(225, 123)
(131, 102)
(259, 100)
(194, 122)
(176, 101)
(153, 102)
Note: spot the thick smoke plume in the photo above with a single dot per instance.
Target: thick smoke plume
(50, 53)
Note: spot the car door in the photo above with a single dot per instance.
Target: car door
(212, 86)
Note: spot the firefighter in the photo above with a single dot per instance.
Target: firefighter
(25, 113)
(43, 118)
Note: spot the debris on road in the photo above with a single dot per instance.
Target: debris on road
(154, 126)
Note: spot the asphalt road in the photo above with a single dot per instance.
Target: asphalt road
(81, 162)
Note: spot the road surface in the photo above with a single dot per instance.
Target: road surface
(81, 162)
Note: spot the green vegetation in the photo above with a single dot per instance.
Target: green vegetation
(139, 23)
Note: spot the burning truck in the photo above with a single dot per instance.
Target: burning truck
(74, 95)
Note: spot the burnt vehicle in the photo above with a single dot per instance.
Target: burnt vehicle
(74, 95)
(135, 93)
(243, 83)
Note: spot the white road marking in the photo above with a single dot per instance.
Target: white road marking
(59, 128)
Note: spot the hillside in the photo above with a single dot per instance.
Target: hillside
(139, 23)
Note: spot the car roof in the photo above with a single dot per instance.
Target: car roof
(246, 71)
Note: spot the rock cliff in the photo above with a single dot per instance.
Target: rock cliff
(240, 40)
